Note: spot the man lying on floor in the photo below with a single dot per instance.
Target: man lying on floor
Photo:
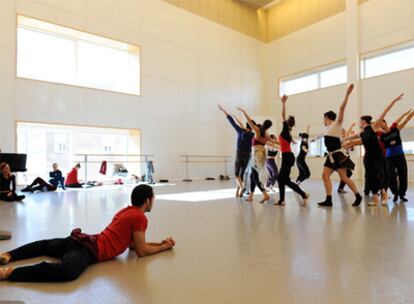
(80, 250)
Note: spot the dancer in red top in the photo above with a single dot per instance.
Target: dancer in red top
(80, 250)
(72, 178)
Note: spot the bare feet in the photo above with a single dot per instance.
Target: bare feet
(4, 259)
(238, 191)
(266, 197)
(250, 198)
(375, 200)
(5, 273)
(305, 199)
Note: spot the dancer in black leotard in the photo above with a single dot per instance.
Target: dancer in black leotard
(337, 160)
(288, 158)
(304, 172)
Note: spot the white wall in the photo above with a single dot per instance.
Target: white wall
(189, 64)
(382, 23)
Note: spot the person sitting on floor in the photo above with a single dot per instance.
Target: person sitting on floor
(72, 178)
(7, 179)
(40, 184)
(79, 250)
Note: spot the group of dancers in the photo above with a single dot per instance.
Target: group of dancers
(384, 160)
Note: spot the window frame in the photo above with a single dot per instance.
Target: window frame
(71, 28)
(381, 52)
(314, 71)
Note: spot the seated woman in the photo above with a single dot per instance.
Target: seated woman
(7, 179)
(40, 184)
(79, 250)
(72, 178)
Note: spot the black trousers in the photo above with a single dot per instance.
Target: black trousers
(12, 198)
(255, 181)
(40, 184)
(74, 186)
(397, 174)
(374, 173)
(304, 172)
(74, 260)
(288, 161)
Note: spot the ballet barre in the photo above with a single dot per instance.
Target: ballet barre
(187, 159)
(105, 157)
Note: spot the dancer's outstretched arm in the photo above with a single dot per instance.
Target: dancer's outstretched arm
(406, 120)
(353, 143)
(249, 121)
(386, 110)
(400, 119)
(239, 122)
(283, 100)
(223, 110)
(349, 131)
(344, 103)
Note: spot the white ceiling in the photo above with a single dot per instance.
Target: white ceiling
(260, 3)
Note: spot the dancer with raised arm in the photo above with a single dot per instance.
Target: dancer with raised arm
(396, 161)
(288, 158)
(244, 148)
(337, 159)
(260, 139)
(373, 159)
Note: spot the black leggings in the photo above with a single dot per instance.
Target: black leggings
(40, 184)
(255, 181)
(288, 160)
(74, 260)
(240, 165)
(12, 198)
(397, 174)
(304, 172)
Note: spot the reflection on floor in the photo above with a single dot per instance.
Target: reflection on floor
(228, 250)
(203, 196)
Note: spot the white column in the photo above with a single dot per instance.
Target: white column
(354, 108)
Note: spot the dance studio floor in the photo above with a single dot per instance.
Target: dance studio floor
(228, 250)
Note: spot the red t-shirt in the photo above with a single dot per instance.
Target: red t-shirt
(72, 177)
(116, 238)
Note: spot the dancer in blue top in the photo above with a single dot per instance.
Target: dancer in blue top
(244, 148)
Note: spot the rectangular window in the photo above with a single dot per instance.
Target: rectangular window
(317, 79)
(53, 53)
(67, 145)
(388, 62)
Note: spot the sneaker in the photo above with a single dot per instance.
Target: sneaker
(403, 199)
(395, 199)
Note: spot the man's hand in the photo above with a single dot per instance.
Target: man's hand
(168, 243)
(284, 99)
(350, 89)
